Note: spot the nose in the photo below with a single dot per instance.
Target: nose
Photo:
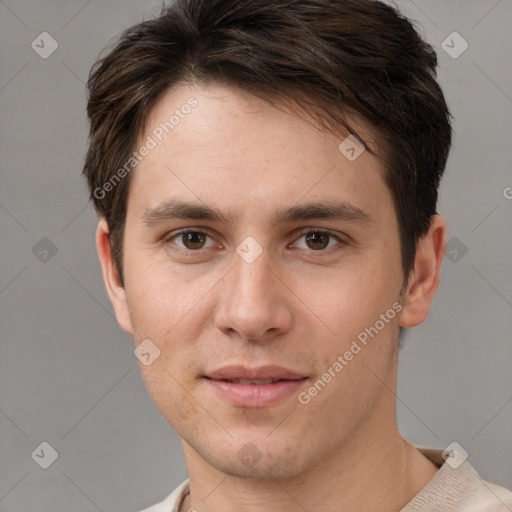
(254, 302)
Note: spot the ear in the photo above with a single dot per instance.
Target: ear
(115, 289)
(424, 277)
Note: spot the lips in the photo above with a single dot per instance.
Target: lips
(254, 382)
(254, 375)
(256, 387)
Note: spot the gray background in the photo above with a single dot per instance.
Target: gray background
(67, 372)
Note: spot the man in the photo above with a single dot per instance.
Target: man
(266, 177)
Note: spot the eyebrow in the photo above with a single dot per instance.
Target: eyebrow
(178, 209)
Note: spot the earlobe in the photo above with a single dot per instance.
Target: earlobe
(424, 277)
(115, 289)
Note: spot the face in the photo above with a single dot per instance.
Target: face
(255, 249)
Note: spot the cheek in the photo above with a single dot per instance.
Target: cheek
(349, 299)
(171, 399)
(157, 298)
(362, 314)
(354, 368)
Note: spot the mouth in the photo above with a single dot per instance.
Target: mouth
(253, 382)
(257, 375)
(254, 388)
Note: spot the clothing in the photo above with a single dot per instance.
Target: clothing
(456, 487)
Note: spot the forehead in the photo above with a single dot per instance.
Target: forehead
(219, 143)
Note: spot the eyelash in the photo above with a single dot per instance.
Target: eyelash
(188, 252)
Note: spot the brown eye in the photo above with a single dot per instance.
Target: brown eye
(317, 241)
(193, 240)
(190, 240)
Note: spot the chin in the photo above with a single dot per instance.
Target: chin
(255, 457)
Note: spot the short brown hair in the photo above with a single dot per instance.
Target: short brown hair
(330, 58)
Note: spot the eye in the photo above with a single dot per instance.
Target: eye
(192, 239)
(319, 239)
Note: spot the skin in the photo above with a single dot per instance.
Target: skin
(296, 306)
